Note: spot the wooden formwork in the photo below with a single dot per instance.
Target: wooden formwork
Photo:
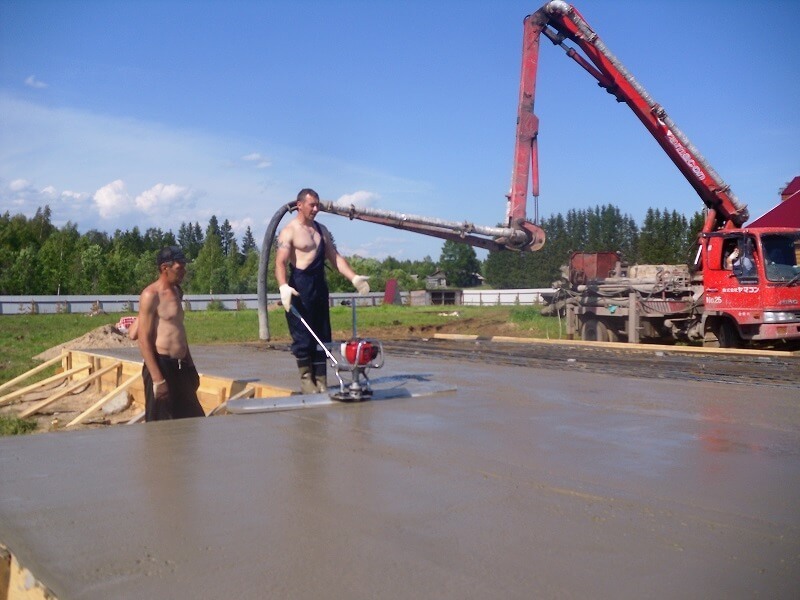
(109, 376)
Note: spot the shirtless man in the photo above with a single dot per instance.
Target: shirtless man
(304, 245)
(170, 377)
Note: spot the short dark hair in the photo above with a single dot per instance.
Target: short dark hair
(170, 254)
(307, 192)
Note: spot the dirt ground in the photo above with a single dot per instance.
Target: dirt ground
(106, 336)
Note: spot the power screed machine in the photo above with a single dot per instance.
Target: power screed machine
(357, 356)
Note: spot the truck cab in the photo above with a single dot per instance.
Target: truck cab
(751, 284)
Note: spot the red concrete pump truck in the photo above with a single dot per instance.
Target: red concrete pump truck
(744, 285)
(704, 301)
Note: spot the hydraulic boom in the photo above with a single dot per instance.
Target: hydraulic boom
(559, 21)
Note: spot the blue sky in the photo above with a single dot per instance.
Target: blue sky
(153, 113)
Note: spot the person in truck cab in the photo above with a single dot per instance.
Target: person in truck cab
(741, 262)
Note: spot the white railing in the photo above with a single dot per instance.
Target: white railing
(16, 305)
(495, 297)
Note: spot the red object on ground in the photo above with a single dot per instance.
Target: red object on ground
(125, 323)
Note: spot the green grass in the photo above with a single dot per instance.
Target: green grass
(531, 323)
(24, 336)
(10, 425)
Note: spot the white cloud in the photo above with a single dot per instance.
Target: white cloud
(261, 161)
(375, 247)
(31, 81)
(112, 199)
(70, 195)
(241, 225)
(359, 199)
(27, 197)
(19, 185)
(161, 197)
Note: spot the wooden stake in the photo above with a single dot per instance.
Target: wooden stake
(69, 373)
(41, 367)
(107, 398)
(69, 390)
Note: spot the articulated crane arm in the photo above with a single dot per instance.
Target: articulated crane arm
(559, 21)
(519, 235)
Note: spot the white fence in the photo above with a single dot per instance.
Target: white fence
(17, 305)
(495, 297)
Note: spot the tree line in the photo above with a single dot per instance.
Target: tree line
(38, 258)
(665, 237)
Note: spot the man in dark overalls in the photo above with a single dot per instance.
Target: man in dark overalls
(304, 245)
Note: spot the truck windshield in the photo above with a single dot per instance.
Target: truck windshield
(781, 253)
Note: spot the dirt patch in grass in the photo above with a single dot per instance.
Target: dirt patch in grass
(488, 325)
(105, 336)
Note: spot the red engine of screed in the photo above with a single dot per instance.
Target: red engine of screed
(359, 352)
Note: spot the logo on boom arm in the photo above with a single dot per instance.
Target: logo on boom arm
(686, 156)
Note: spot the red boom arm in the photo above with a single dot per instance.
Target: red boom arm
(558, 21)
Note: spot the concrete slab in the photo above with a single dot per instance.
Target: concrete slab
(524, 483)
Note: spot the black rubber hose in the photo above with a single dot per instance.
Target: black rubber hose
(263, 264)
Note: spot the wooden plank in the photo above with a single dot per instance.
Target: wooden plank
(246, 392)
(137, 419)
(105, 399)
(48, 401)
(21, 392)
(31, 373)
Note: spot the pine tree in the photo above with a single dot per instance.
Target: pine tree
(248, 242)
(198, 240)
(213, 228)
(227, 238)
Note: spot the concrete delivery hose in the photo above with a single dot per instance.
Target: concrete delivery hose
(263, 265)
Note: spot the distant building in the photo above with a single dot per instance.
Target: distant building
(436, 280)
(792, 190)
(786, 213)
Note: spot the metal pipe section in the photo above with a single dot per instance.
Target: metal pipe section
(500, 237)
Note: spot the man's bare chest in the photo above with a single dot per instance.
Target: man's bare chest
(169, 307)
(307, 239)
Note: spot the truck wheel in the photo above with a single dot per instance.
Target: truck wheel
(722, 335)
(727, 335)
(613, 334)
(593, 330)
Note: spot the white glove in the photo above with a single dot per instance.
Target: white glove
(360, 283)
(287, 292)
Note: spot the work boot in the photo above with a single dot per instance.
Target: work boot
(321, 376)
(307, 385)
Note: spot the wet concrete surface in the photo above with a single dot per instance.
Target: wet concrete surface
(524, 483)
